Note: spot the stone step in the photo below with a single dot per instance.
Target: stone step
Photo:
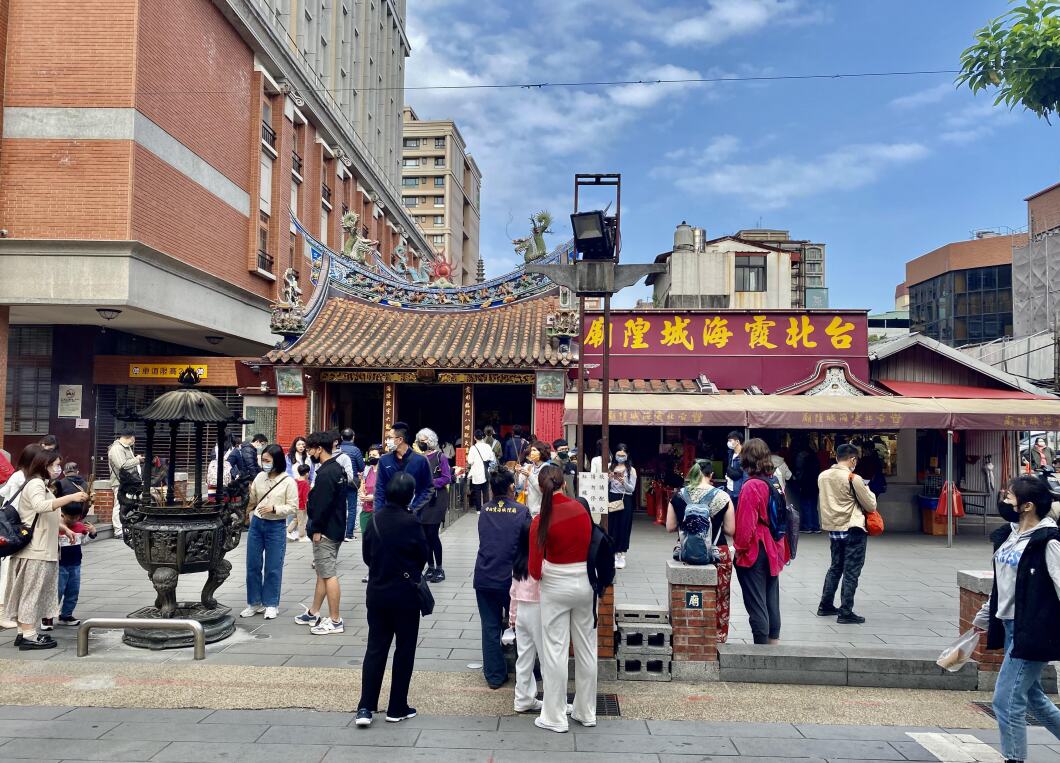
(878, 667)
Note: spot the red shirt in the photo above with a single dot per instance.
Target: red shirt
(303, 493)
(569, 533)
(752, 529)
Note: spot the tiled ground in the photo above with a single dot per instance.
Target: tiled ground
(908, 593)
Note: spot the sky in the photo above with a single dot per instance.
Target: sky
(879, 169)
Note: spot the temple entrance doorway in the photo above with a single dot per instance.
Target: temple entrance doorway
(359, 406)
(436, 406)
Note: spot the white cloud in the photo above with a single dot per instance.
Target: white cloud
(642, 96)
(923, 97)
(720, 148)
(976, 120)
(779, 181)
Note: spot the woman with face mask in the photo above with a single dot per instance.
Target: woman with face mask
(273, 498)
(1023, 611)
(433, 513)
(621, 485)
(32, 593)
(537, 458)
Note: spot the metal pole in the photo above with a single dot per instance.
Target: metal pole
(605, 380)
(197, 631)
(171, 472)
(949, 488)
(199, 453)
(582, 464)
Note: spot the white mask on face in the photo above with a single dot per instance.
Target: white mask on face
(55, 471)
(266, 465)
(390, 445)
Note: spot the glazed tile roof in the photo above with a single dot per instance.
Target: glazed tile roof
(350, 333)
(650, 385)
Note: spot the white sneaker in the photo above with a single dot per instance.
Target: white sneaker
(534, 707)
(304, 539)
(251, 611)
(327, 627)
(271, 613)
(620, 561)
(586, 724)
(292, 536)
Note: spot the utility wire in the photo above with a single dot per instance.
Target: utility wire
(615, 83)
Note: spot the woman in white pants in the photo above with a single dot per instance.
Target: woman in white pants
(524, 614)
(559, 547)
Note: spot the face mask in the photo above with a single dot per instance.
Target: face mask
(621, 459)
(266, 465)
(259, 447)
(563, 455)
(373, 460)
(1007, 511)
(731, 444)
(422, 445)
(55, 471)
(390, 443)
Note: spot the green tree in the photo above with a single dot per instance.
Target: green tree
(1018, 54)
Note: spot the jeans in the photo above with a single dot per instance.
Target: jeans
(69, 589)
(1019, 690)
(809, 517)
(492, 611)
(761, 598)
(266, 546)
(848, 558)
(386, 625)
(351, 512)
(479, 495)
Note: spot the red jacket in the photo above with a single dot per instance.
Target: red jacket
(752, 529)
(569, 533)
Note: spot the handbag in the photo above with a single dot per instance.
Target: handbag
(873, 519)
(424, 597)
(14, 535)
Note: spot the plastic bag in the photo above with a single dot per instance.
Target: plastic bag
(508, 637)
(954, 657)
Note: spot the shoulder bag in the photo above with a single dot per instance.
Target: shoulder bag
(424, 597)
(873, 520)
(250, 512)
(14, 535)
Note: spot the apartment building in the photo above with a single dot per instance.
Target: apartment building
(441, 186)
(808, 285)
(154, 160)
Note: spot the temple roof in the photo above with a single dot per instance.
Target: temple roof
(352, 333)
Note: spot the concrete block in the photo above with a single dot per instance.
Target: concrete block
(679, 573)
(897, 661)
(643, 669)
(694, 670)
(644, 639)
(961, 681)
(977, 581)
(782, 657)
(987, 680)
(796, 676)
(606, 670)
(642, 614)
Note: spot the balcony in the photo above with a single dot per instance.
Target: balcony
(268, 136)
(296, 163)
(325, 192)
(264, 261)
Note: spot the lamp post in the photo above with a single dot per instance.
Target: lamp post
(595, 272)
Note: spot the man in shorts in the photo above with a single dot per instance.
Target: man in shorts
(326, 525)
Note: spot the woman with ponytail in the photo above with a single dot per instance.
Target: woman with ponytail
(559, 549)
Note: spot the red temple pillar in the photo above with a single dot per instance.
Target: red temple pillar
(548, 419)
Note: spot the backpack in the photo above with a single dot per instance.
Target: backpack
(783, 518)
(600, 563)
(697, 545)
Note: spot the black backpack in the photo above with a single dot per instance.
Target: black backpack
(601, 564)
(783, 518)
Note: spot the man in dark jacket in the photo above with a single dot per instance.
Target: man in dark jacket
(357, 463)
(244, 459)
(326, 526)
(499, 525)
(402, 458)
(515, 445)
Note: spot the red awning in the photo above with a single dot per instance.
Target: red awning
(956, 391)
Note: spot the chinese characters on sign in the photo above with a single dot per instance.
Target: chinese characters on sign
(693, 600)
(592, 486)
(161, 371)
(735, 333)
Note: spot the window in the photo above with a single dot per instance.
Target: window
(325, 223)
(439, 142)
(814, 267)
(439, 182)
(750, 272)
(815, 281)
(410, 182)
(410, 201)
(263, 232)
(293, 248)
(294, 196)
(29, 380)
(439, 219)
(438, 239)
(439, 161)
(410, 162)
(410, 143)
(265, 184)
(439, 201)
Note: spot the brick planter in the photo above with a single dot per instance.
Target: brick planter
(694, 619)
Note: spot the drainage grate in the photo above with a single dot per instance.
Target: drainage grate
(988, 708)
(606, 704)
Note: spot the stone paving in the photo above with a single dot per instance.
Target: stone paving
(908, 593)
(299, 736)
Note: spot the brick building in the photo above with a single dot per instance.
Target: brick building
(153, 159)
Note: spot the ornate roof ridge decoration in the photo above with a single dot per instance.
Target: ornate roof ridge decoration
(833, 378)
(364, 276)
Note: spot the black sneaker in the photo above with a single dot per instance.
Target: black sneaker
(429, 574)
(438, 577)
(71, 621)
(41, 642)
(46, 624)
(364, 718)
(410, 713)
(850, 619)
(823, 611)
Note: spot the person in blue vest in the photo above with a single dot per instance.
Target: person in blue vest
(357, 467)
(400, 457)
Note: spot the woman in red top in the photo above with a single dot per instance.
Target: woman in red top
(759, 558)
(559, 548)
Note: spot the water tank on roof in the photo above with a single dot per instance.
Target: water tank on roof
(683, 238)
(699, 238)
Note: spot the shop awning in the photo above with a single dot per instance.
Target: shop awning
(817, 412)
(926, 389)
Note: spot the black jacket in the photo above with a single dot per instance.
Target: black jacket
(244, 461)
(1036, 621)
(393, 545)
(326, 508)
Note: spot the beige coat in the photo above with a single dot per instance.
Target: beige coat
(36, 501)
(839, 511)
(283, 499)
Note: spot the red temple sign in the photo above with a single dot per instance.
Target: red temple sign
(735, 349)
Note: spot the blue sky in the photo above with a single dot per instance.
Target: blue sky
(880, 169)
